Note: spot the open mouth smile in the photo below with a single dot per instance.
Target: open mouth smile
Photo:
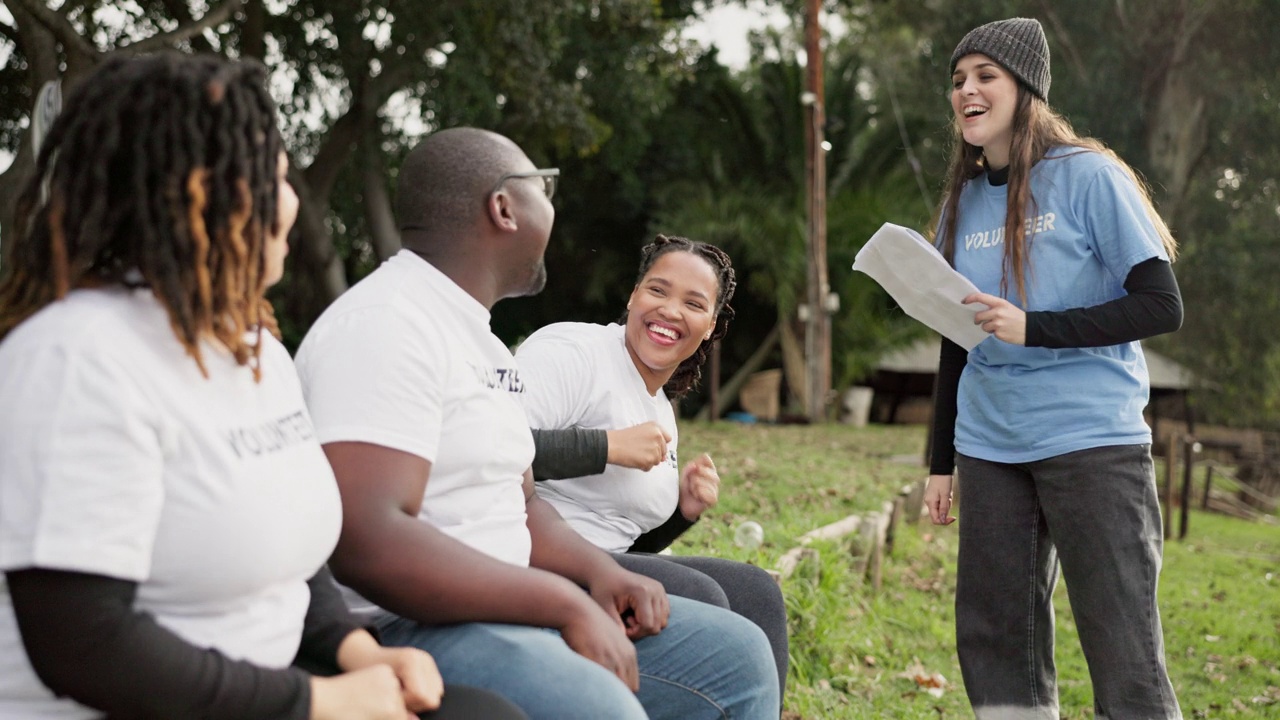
(663, 332)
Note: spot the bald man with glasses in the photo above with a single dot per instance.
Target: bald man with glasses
(445, 546)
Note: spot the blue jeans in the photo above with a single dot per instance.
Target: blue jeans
(1096, 511)
(737, 586)
(707, 663)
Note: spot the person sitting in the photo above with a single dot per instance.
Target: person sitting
(445, 544)
(165, 509)
(599, 398)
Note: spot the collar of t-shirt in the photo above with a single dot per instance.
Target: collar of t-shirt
(452, 292)
(996, 178)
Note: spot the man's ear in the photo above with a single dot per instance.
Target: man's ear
(501, 210)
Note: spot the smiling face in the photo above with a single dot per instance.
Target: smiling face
(983, 98)
(670, 313)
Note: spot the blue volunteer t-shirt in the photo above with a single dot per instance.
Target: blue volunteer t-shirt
(1021, 404)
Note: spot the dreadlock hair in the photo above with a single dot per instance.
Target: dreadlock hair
(1037, 129)
(689, 372)
(160, 172)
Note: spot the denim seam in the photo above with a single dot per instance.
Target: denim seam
(1152, 609)
(1031, 608)
(692, 690)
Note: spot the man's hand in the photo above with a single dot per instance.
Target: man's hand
(1001, 318)
(642, 446)
(598, 637)
(699, 487)
(638, 603)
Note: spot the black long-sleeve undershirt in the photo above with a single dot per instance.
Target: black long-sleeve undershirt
(562, 453)
(577, 452)
(1152, 306)
(86, 641)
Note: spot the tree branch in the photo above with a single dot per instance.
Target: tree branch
(1064, 39)
(10, 34)
(70, 7)
(214, 17)
(367, 96)
(335, 150)
(383, 233)
(57, 25)
(179, 11)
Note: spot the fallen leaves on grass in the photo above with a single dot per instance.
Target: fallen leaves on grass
(931, 682)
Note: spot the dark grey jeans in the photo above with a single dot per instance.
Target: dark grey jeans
(1096, 511)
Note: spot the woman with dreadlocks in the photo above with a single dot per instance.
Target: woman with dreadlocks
(606, 437)
(165, 510)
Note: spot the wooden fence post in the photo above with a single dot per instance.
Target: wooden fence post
(914, 503)
(1188, 462)
(895, 518)
(793, 558)
(1208, 481)
(1170, 463)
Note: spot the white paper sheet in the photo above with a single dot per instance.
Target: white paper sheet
(924, 285)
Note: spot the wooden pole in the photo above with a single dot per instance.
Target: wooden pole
(1208, 482)
(818, 322)
(1188, 464)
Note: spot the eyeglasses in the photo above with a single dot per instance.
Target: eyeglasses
(550, 178)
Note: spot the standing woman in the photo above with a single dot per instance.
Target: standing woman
(165, 509)
(1043, 419)
(599, 399)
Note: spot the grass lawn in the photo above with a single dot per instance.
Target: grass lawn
(855, 653)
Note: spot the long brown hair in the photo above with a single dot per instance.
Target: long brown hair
(160, 172)
(1037, 129)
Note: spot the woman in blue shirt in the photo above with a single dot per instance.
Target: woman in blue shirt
(1043, 419)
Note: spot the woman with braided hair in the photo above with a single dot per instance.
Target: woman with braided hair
(599, 398)
(165, 509)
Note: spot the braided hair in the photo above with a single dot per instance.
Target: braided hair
(689, 372)
(160, 172)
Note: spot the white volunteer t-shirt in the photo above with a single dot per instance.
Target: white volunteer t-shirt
(405, 359)
(118, 458)
(581, 375)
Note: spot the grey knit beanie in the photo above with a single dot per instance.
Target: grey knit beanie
(1018, 44)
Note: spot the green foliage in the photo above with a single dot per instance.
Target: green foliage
(653, 136)
(1113, 64)
(733, 175)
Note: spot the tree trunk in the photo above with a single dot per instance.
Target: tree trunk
(40, 48)
(253, 31)
(1177, 132)
(384, 235)
(318, 275)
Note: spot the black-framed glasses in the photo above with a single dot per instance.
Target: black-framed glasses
(550, 178)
